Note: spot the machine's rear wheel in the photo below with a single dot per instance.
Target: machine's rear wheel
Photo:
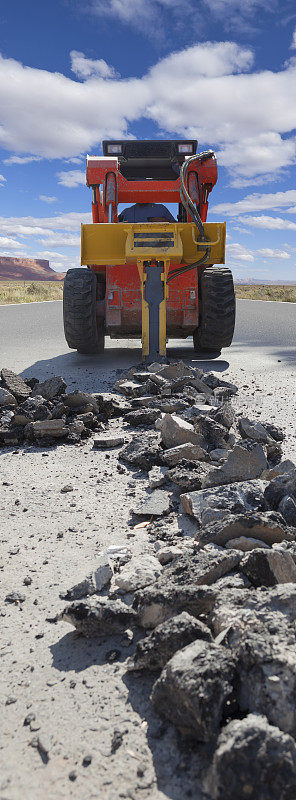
(84, 330)
(216, 308)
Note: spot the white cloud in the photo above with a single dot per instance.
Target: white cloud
(62, 240)
(268, 252)
(269, 223)
(209, 60)
(60, 261)
(44, 226)
(138, 13)
(54, 254)
(268, 153)
(2, 180)
(293, 45)
(72, 178)
(88, 68)
(241, 183)
(237, 251)
(257, 202)
(9, 244)
(202, 91)
(19, 160)
(74, 160)
(47, 198)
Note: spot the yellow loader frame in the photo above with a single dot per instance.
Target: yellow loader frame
(149, 245)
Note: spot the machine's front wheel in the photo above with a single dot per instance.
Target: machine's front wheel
(216, 309)
(84, 330)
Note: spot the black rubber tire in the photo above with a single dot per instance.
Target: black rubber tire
(83, 331)
(216, 308)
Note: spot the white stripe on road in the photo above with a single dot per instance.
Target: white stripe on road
(33, 303)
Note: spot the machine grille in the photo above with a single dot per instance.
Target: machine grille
(154, 239)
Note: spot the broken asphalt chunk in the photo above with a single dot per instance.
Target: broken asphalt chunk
(103, 616)
(193, 689)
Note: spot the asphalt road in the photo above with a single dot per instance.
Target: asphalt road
(261, 359)
(31, 335)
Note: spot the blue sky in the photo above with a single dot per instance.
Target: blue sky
(73, 72)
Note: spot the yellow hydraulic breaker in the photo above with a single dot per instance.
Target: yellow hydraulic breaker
(153, 275)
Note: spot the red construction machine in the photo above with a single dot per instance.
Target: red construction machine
(148, 274)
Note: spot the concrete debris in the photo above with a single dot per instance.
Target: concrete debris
(200, 568)
(15, 384)
(167, 554)
(188, 451)
(267, 526)
(188, 475)
(104, 616)
(155, 650)
(274, 452)
(287, 507)
(156, 604)
(178, 369)
(266, 667)
(143, 451)
(128, 388)
(157, 477)
(274, 431)
(138, 573)
(245, 462)
(245, 544)
(193, 689)
(227, 569)
(111, 405)
(153, 504)
(199, 409)
(107, 442)
(289, 547)
(214, 382)
(155, 367)
(236, 498)
(215, 434)
(142, 418)
(280, 487)
(224, 415)
(51, 388)
(55, 428)
(79, 399)
(219, 454)
(7, 400)
(167, 405)
(175, 431)
(252, 760)
(267, 568)
(43, 413)
(254, 430)
(119, 554)
(94, 582)
(278, 469)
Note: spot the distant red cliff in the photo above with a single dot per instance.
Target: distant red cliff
(27, 269)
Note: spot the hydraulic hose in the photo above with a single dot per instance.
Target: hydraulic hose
(193, 212)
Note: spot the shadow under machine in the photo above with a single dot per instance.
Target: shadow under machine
(149, 275)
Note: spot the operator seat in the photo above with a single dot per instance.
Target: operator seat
(146, 212)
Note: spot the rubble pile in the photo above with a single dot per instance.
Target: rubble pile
(212, 610)
(44, 414)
